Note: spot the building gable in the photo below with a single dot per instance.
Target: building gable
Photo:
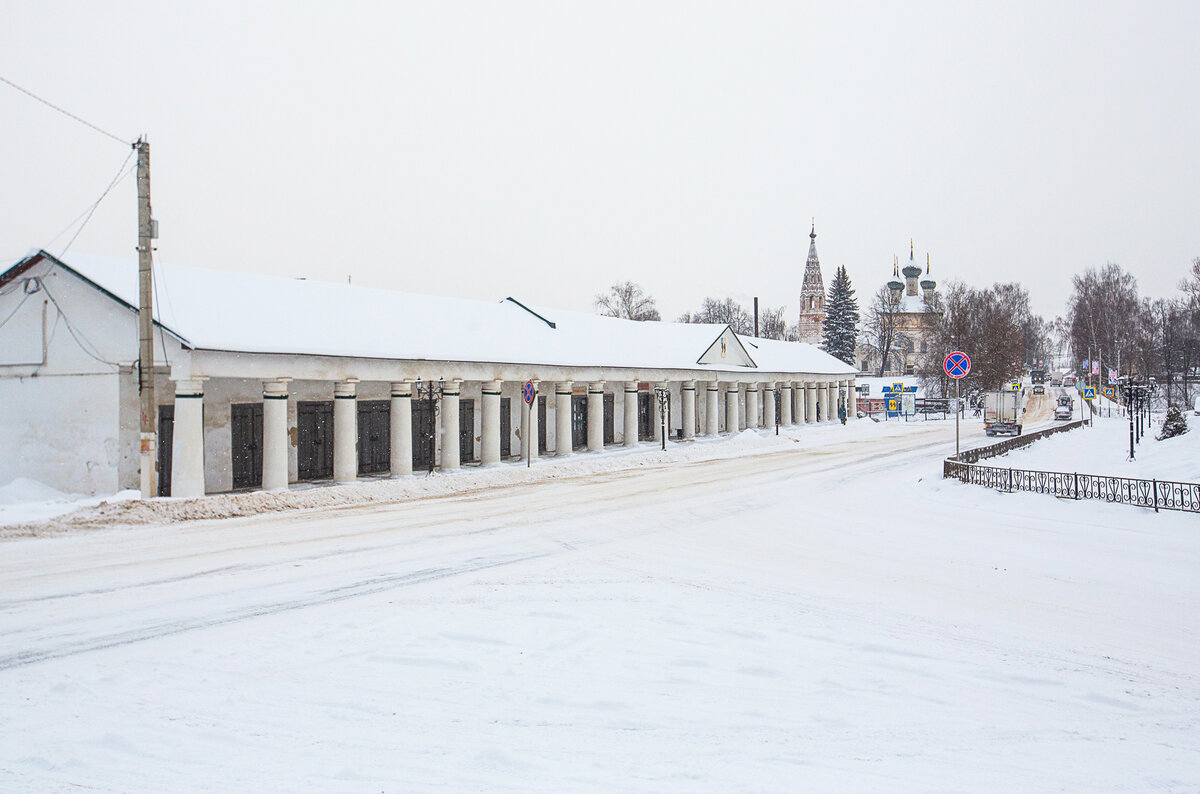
(728, 350)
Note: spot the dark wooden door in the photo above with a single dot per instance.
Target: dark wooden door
(609, 411)
(166, 438)
(423, 433)
(466, 431)
(505, 427)
(314, 451)
(645, 416)
(541, 424)
(579, 416)
(246, 431)
(374, 436)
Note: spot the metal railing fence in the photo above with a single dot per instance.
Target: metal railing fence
(1156, 494)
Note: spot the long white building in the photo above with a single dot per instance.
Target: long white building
(263, 381)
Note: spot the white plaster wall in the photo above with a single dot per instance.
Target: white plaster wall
(61, 431)
(65, 420)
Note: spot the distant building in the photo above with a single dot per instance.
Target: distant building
(812, 297)
(918, 310)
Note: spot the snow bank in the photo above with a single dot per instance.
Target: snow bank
(127, 510)
(23, 490)
(1104, 449)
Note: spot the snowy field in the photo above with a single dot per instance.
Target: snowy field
(1103, 448)
(825, 614)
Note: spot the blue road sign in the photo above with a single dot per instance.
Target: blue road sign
(957, 364)
(1089, 392)
(528, 392)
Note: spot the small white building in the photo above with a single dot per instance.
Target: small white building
(264, 381)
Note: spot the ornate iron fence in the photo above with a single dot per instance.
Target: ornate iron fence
(1156, 494)
(1016, 442)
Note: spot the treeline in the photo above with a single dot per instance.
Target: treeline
(1109, 322)
(1106, 324)
(629, 301)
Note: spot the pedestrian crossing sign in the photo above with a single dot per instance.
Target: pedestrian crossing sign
(1089, 392)
(1110, 392)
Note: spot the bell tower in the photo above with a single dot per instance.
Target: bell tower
(812, 295)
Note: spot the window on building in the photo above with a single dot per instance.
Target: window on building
(924, 348)
(865, 365)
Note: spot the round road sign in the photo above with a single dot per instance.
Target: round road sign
(957, 364)
(528, 392)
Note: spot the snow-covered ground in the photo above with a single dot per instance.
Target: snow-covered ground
(1103, 448)
(827, 617)
(25, 500)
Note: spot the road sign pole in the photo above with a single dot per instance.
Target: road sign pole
(957, 411)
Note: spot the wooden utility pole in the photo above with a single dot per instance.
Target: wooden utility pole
(149, 406)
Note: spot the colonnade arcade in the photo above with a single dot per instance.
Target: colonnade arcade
(348, 428)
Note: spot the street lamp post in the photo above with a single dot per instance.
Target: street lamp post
(432, 393)
(664, 405)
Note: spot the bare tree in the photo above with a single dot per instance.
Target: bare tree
(627, 300)
(1103, 312)
(882, 326)
(772, 323)
(982, 323)
(722, 312)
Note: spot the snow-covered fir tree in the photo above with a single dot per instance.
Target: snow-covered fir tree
(841, 318)
(1175, 424)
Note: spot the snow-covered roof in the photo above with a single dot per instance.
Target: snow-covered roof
(912, 303)
(250, 313)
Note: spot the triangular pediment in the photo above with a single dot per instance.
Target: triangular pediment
(727, 349)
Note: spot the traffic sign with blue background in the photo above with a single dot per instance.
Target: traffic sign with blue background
(1089, 392)
(957, 364)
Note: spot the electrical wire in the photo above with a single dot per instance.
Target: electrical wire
(84, 343)
(13, 313)
(121, 173)
(84, 122)
(162, 337)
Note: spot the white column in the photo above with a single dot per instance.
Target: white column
(400, 429)
(752, 403)
(785, 403)
(769, 406)
(489, 422)
(187, 447)
(798, 402)
(825, 390)
(712, 408)
(732, 419)
(275, 435)
(595, 417)
(688, 409)
(451, 451)
(562, 418)
(345, 431)
(810, 402)
(851, 401)
(631, 413)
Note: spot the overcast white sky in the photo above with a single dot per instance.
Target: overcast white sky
(546, 150)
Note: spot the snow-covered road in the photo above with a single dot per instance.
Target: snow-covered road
(825, 617)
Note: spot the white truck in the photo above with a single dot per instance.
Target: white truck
(1002, 412)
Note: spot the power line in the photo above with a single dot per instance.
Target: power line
(84, 122)
(91, 210)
